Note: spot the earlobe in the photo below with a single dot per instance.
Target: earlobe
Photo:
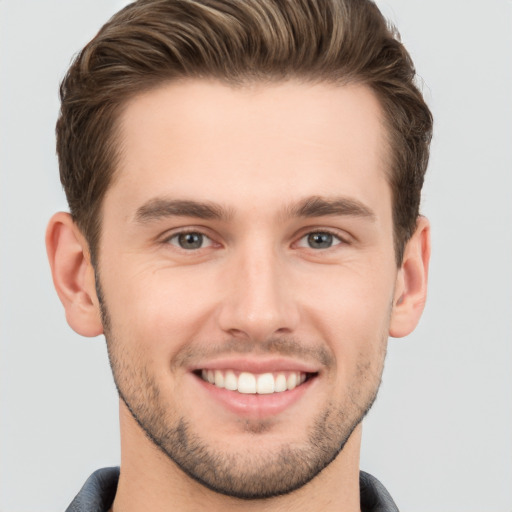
(411, 285)
(73, 275)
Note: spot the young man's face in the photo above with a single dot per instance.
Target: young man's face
(247, 239)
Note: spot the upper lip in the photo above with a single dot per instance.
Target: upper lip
(258, 365)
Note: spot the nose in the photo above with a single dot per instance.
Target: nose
(258, 301)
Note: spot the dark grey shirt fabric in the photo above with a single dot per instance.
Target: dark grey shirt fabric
(97, 494)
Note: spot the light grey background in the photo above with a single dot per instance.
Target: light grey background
(439, 436)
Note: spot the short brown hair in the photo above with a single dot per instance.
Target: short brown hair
(153, 41)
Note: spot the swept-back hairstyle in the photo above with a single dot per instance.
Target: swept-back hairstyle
(150, 42)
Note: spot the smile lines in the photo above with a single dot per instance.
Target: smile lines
(250, 383)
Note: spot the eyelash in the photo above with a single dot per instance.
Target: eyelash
(323, 231)
(318, 231)
(168, 240)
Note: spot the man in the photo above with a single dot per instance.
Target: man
(244, 182)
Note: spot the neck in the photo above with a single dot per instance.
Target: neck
(149, 480)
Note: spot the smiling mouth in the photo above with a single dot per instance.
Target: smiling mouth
(251, 383)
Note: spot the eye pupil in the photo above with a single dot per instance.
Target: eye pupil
(320, 240)
(190, 240)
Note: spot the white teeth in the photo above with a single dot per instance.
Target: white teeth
(219, 379)
(246, 383)
(249, 383)
(265, 384)
(291, 382)
(280, 384)
(230, 381)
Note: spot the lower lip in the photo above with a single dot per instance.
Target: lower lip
(255, 405)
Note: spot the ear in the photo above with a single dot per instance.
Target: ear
(73, 274)
(411, 284)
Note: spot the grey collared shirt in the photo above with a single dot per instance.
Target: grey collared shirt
(98, 492)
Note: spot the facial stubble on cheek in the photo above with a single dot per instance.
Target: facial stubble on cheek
(250, 474)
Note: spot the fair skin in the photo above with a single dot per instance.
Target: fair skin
(248, 231)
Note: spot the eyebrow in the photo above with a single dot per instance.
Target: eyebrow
(315, 206)
(160, 208)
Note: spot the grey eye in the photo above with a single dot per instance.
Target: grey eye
(190, 241)
(320, 240)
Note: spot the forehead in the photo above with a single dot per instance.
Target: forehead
(260, 141)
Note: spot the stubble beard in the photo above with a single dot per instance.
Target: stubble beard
(240, 475)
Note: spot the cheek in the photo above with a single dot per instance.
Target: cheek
(158, 307)
(352, 315)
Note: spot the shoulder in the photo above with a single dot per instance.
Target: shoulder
(374, 496)
(98, 492)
